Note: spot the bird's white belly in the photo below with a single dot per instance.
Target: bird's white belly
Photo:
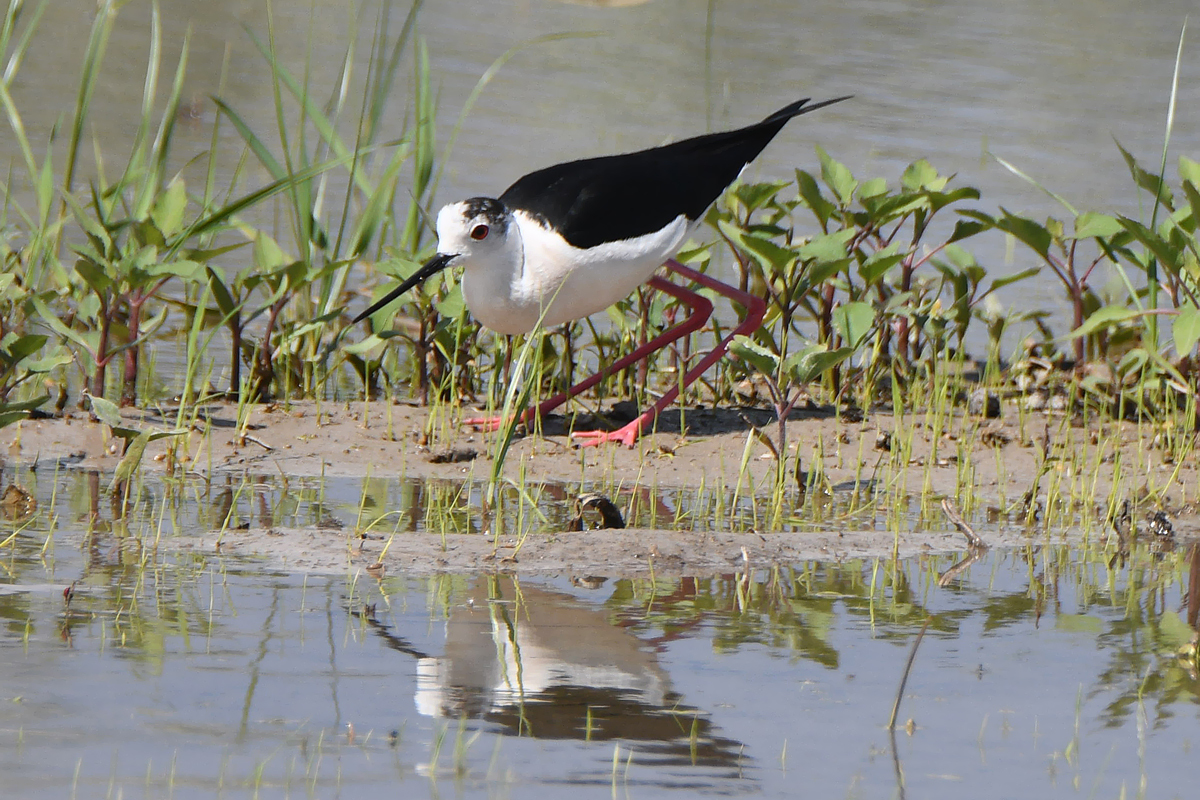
(565, 282)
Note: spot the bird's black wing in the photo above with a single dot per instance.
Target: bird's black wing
(611, 198)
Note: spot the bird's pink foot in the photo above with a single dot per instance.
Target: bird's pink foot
(627, 435)
(486, 424)
(489, 424)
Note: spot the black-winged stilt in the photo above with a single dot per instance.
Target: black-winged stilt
(567, 241)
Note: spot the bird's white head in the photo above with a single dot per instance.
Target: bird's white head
(474, 230)
(479, 232)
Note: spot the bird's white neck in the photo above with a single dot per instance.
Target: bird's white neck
(491, 287)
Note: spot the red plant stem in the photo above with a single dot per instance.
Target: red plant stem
(129, 384)
(422, 349)
(235, 363)
(101, 356)
(266, 370)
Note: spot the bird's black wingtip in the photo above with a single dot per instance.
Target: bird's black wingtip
(803, 107)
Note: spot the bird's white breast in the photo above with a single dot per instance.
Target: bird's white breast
(564, 282)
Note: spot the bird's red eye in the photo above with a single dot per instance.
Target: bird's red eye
(479, 232)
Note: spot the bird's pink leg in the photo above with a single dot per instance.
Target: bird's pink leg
(701, 310)
(756, 309)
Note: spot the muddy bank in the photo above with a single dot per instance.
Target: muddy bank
(998, 459)
(985, 463)
(582, 555)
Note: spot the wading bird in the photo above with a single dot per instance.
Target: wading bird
(570, 240)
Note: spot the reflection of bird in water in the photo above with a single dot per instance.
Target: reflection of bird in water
(549, 665)
(499, 654)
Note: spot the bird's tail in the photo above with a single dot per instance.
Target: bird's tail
(801, 107)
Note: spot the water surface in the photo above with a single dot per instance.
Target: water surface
(1045, 672)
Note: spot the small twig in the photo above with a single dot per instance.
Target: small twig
(248, 438)
(977, 546)
(891, 726)
(973, 539)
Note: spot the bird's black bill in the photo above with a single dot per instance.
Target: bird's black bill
(430, 268)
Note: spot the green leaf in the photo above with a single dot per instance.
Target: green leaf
(88, 342)
(89, 225)
(1189, 170)
(1025, 230)
(921, 175)
(1147, 180)
(93, 275)
(820, 271)
(872, 188)
(810, 193)
(169, 209)
(49, 363)
(1162, 249)
(1104, 318)
(268, 255)
(964, 229)
(1133, 362)
(890, 207)
(939, 200)
(1090, 224)
(770, 256)
(452, 305)
(134, 450)
(365, 346)
(106, 411)
(755, 355)
(754, 196)
(208, 254)
(999, 283)
(25, 406)
(879, 262)
(1193, 210)
(827, 247)
(24, 347)
(837, 177)
(188, 270)
(9, 417)
(813, 361)
(1186, 330)
(854, 321)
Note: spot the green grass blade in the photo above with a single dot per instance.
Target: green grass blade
(256, 145)
(1152, 267)
(22, 47)
(212, 221)
(385, 74)
(162, 139)
(93, 56)
(312, 112)
(17, 126)
(210, 176)
(1032, 182)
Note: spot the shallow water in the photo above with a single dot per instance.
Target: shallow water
(180, 673)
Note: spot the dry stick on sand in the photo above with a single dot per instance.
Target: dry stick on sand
(977, 546)
(973, 539)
